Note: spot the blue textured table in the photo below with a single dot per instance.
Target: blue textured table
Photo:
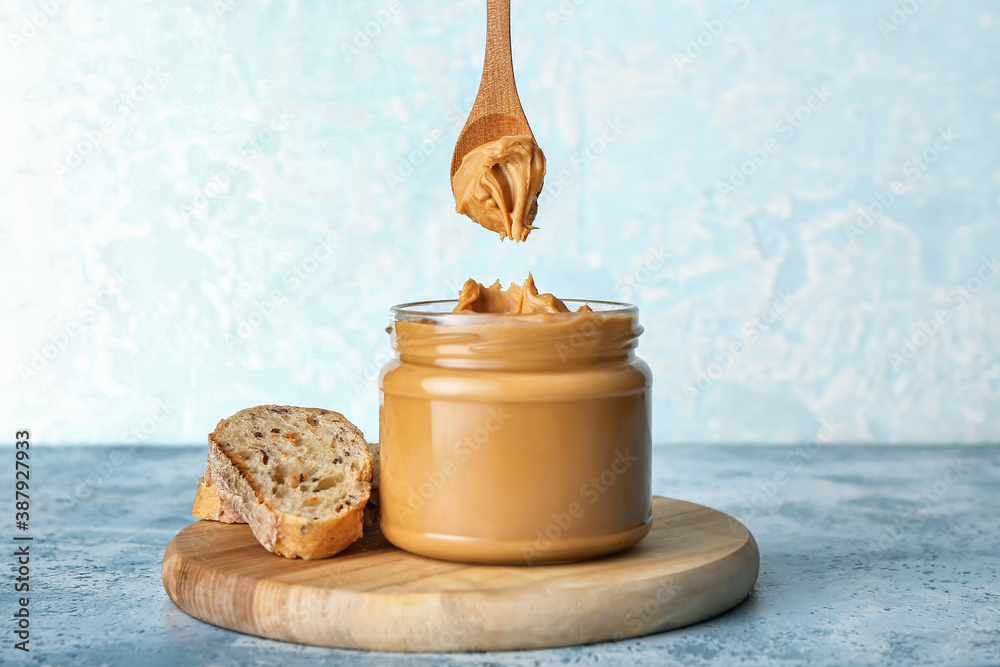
(869, 555)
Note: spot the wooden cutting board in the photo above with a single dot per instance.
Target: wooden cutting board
(694, 564)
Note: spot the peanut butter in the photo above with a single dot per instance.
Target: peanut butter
(477, 298)
(497, 185)
(515, 437)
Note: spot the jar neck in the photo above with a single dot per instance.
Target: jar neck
(525, 342)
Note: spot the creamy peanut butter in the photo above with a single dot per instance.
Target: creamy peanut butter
(497, 185)
(477, 298)
(515, 437)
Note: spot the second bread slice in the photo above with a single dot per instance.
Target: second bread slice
(299, 476)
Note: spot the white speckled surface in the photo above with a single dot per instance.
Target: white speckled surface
(870, 555)
(172, 171)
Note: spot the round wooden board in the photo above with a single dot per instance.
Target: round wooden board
(695, 564)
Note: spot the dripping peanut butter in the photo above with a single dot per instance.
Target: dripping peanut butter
(515, 437)
(497, 185)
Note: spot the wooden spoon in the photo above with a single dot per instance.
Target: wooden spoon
(497, 110)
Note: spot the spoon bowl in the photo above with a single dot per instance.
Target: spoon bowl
(497, 110)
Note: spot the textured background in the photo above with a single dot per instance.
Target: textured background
(210, 205)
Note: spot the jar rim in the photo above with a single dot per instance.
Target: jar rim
(441, 313)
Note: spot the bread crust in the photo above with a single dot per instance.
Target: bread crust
(280, 532)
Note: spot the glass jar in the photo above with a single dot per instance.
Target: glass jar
(515, 438)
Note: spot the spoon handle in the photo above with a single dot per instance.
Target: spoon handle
(497, 88)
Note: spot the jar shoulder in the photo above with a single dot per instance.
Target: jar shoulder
(572, 382)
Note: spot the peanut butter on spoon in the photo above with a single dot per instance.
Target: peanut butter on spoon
(497, 185)
(477, 298)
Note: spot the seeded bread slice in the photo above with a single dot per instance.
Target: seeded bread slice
(206, 502)
(299, 476)
(208, 505)
(371, 509)
(374, 449)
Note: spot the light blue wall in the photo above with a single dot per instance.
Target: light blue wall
(170, 168)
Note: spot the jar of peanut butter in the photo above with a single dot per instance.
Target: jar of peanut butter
(515, 438)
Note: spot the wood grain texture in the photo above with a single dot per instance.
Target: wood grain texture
(695, 563)
(497, 110)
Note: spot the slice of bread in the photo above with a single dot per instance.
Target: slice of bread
(299, 476)
(371, 509)
(374, 449)
(208, 505)
(206, 501)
